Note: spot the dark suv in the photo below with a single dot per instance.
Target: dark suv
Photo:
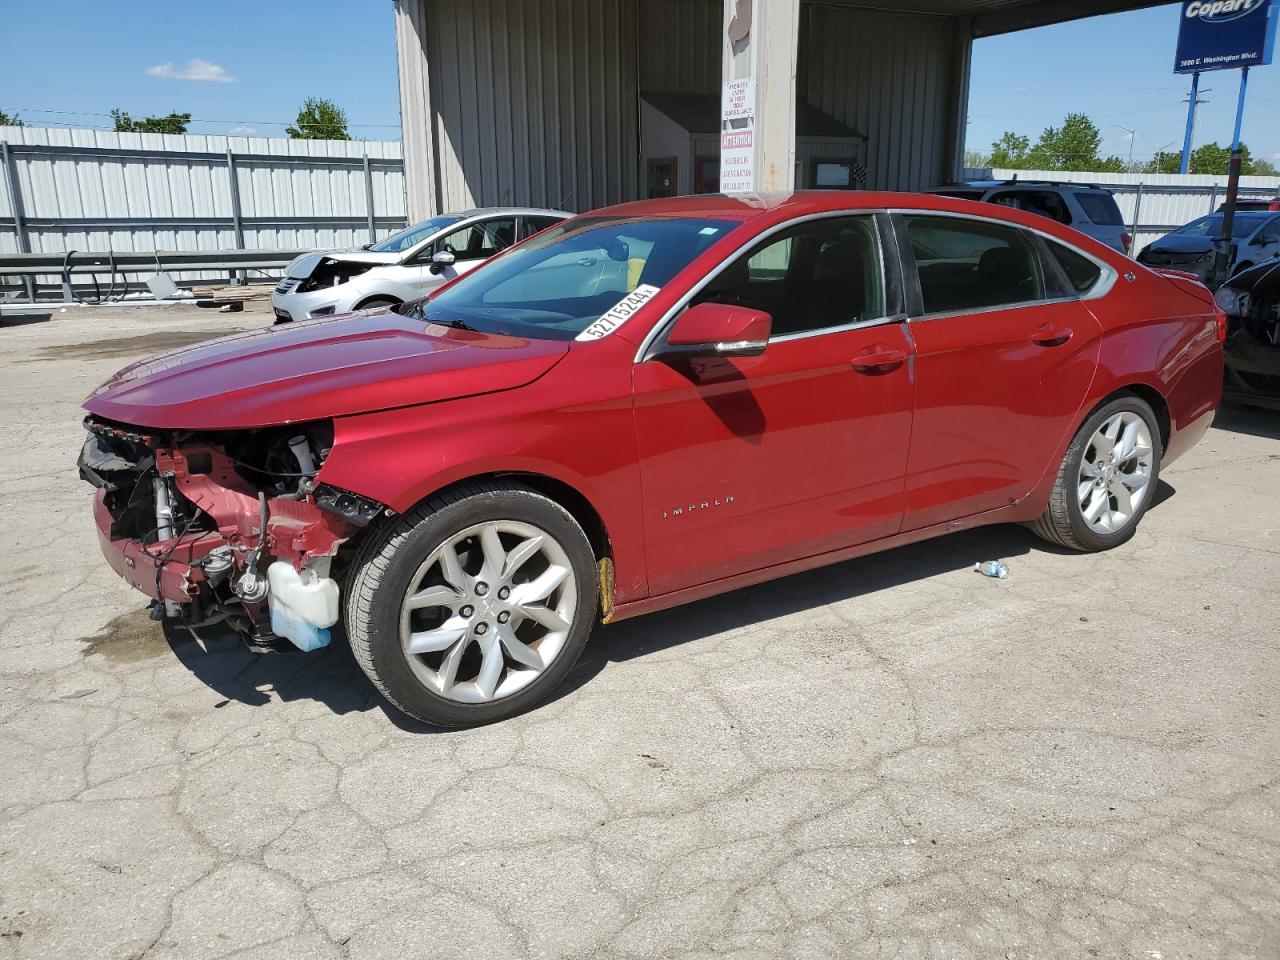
(1089, 209)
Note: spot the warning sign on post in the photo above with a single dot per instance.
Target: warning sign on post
(737, 160)
(738, 99)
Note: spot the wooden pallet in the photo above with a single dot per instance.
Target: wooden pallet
(233, 294)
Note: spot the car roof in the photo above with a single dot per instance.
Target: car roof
(775, 208)
(998, 184)
(499, 211)
(1260, 215)
(744, 207)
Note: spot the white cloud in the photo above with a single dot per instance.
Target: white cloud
(196, 69)
(243, 131)
(1276, 155)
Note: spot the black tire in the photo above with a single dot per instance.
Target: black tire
(378, 302)
(1063, 521)
(393, 555)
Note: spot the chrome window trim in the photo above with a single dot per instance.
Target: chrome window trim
(977, 311)
(843, 328)
(1106, 281)
(663, 325)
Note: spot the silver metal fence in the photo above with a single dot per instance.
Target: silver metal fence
(95, 190)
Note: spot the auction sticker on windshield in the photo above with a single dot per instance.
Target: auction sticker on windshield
(619, 313)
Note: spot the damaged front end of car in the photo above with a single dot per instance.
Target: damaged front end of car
(226, 526)
(1251, 300)
(332, 271)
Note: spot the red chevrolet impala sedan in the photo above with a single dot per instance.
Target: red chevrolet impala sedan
(639, 407)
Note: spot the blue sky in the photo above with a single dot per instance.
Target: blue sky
(252, 64)
(75, 55)
(1118, 69)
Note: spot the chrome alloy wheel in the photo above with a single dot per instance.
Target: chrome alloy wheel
(1115, 472)
(488, 611)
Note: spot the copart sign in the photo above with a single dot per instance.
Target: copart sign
(1225, 34)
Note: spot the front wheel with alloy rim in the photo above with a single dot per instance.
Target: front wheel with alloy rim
(1107, 479)
(474, 606)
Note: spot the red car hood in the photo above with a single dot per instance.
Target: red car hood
(317, 369)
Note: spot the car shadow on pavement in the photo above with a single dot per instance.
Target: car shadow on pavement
(816, 588)
(23, 319)
(219, 659)
(1254, 421)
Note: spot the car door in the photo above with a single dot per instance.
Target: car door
(1005, 352)
(1264, 245)
(750, 462)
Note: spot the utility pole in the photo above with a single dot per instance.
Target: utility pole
(1193, 102)
(1222, 254)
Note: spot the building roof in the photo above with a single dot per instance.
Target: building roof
(700, 113)
(992, 17)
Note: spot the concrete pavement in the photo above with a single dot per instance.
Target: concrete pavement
(890, 757)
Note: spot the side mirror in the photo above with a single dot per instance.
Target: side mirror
(441, 259)
(719, 330)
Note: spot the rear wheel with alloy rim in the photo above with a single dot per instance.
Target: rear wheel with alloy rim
(474, 606)
(1107, 479)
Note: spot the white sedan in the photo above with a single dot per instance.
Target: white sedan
(405, 265)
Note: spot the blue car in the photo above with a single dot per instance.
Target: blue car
(1255, 234)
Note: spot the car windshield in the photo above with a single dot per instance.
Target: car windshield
(412, 236)
(563, 280)
(1211, 226)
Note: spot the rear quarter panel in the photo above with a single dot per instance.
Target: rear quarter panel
(1162, 333)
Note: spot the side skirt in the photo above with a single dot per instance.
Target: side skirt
(1013, 513)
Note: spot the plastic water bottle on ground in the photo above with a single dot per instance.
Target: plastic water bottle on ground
(995, 569)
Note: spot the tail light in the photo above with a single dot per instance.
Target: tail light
(1126, 241)
(1220, 318)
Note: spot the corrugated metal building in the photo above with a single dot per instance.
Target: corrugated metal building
(540, 101)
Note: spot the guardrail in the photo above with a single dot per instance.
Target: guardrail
(27, 269)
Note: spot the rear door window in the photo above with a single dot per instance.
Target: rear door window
(1100, 208)
(1044, 203)
(534, 224)
(973, 264)
(1270, 233)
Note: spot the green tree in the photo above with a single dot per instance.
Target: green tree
(320, 119)
(1211, 158)
(1073, 146)
(172, 123)
(1163, 162)
(10, 120)
(1265, 168)
(1010, 151)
